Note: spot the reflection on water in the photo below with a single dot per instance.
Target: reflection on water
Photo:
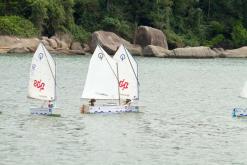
(186, 119)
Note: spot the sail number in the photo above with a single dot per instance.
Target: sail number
(123, 84)
(39, 84)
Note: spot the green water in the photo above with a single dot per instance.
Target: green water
(186, 119)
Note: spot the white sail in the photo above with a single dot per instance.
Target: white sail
(42, 75)
(244, 91)
(127, 71)
(101, 81)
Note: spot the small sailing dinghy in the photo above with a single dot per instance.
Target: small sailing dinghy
(107, 84)
(42, 81)
(239, 112)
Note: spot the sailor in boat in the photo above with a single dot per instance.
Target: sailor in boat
(84, 107)
(127, 102)
(50, 105)
(92, 102)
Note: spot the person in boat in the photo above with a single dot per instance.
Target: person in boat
(83, 108)
(127, 102)
(92, 102)
(50, 105)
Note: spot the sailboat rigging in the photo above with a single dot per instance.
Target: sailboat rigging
(110, 79)
(42, 81)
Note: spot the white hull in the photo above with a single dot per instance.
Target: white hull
(41, 111)
(239, 112)
(109, 109)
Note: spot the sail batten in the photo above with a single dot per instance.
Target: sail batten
(42, 75)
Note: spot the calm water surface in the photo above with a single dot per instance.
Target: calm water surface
(187, 118)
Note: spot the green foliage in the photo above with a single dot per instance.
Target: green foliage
(79, 34)
(111, 24)
(14, 25)
(38, 8)
(174, 40)
(88, 14)
(186, 22)
(216, 27)
(117, 26)
(215, 41)
(239, 35)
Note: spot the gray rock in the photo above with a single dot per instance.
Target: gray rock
(52, 43)
(19, 50)
(108, 40)
(134, 49)
(44, 38)
(156, 51)
(150, 36)
(193, 52)
(219, 52)
(240, 52)
(86, 48)
(64, 37)
(76, 46)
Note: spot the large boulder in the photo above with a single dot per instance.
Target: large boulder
(64, 37)
(240, 52)
(8, 41)
(44, 38)
(86, 47)
(219, 51)
(150, 36)
(76, 46)
(11, 42)
(52, 43)
(19, 50)
(134, 49)
(193, 52)
(47, 45)
(108, 40)
(156, 51)
(62, 45)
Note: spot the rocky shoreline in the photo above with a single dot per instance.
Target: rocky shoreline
(148, 42)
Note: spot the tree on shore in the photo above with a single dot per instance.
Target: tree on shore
(221, 23)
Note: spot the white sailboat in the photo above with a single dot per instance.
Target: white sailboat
(238, 112)
(42, 81)
(128, 74)
(105, 82)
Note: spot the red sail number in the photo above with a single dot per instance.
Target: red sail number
(39, 84)
(123, 84)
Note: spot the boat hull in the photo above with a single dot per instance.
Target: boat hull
(239, 112)
(109, 109)
(41, 111)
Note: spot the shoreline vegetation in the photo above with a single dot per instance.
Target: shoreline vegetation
(164, 28)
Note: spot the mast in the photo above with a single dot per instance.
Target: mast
(55, 89)
(118, 86)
